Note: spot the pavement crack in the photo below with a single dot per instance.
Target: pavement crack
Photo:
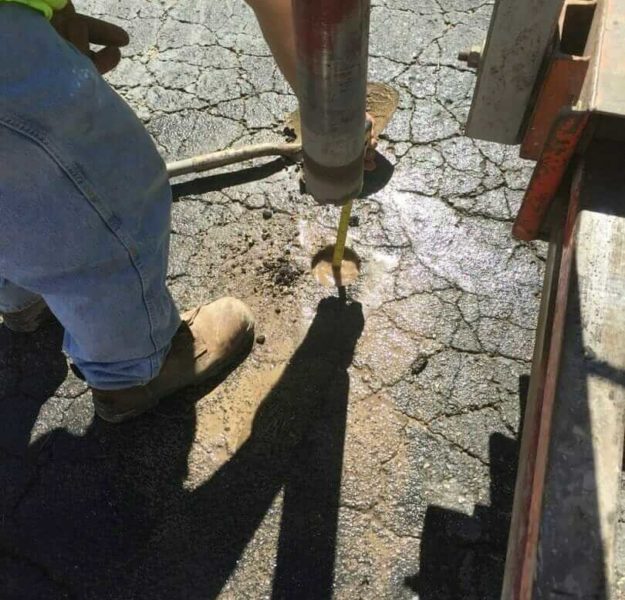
(426, 425)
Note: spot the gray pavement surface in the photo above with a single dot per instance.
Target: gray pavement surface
(361, 452)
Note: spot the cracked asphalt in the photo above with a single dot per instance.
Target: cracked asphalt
(362, 451)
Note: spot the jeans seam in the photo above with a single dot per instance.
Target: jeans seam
(87, 190)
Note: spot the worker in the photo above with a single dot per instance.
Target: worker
(85, 207)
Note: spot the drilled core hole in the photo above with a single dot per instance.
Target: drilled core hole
(325, 273)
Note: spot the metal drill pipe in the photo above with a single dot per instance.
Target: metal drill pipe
(332, 52)
(222, 158)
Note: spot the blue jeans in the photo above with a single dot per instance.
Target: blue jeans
(84, 207)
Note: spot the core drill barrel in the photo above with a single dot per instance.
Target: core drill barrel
(332, 51)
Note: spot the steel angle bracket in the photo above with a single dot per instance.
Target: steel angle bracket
(519, 37)
(586, 83)
(549, 172)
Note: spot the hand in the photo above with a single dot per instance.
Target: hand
(82, 31)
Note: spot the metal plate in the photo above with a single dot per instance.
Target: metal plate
(519, 35)
(576, 547)
(604, 90)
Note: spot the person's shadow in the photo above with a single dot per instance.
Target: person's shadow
(105, 515)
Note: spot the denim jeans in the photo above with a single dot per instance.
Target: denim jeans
(85, 207)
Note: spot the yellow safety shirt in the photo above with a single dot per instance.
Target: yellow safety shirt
(47, 7)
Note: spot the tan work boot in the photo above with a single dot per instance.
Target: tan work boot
(209, 339)
(29, 319)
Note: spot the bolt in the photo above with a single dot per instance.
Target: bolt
(472, 56)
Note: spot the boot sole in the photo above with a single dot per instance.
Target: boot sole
(32, 323)
(242, 348)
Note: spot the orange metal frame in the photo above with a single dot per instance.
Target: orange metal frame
(549, 172)
(555, 127)
(533, 455)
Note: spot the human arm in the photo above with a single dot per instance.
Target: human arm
(275, 18)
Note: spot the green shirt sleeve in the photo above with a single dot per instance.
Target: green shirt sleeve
(47, 7)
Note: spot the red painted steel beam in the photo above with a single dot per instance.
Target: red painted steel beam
(536, 432)
(561, 88)
(549, 173)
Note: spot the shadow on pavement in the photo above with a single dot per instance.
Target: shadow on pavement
(219, 181)
(374, 181)
(463, 556)
(377, 180)
(106, 514)
(32, 367)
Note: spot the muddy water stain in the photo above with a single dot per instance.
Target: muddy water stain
(327, 275)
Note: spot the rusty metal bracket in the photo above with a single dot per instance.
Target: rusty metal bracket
(549, 173)
(563, 84)
(585, 76)
(564, 75)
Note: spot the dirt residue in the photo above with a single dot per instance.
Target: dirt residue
(281, 272)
